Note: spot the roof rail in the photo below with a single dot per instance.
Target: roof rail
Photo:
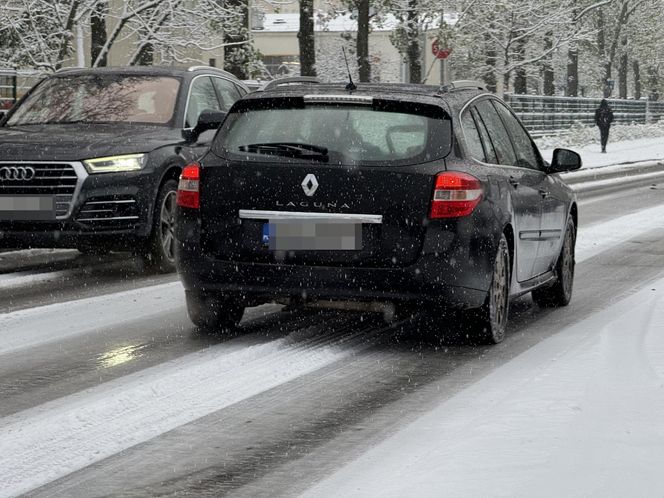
(293, 80)
(209, 68)
(67, 69)
(462, 85)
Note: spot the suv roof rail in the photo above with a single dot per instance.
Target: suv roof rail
(67, 69)
(209, 68)
(292, 80)
(462, 85)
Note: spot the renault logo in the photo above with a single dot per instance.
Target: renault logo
(17, 173)
(309, 184)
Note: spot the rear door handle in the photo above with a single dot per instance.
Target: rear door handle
(513, 181)
(544, 193)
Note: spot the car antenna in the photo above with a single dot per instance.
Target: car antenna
(350, 86)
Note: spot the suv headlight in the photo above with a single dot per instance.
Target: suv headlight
(115, 164)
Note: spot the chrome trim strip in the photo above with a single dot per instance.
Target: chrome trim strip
(81, 174)
(121, 218)
(252, 214)
(120, 201)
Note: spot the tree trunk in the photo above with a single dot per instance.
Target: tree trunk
(572, 89)
(547, 67)
(520, 80)
(306, 39)
(363, 62)
(622, 76)
(145, 56)
(491, 56)
(235, 59)
(573, 71)
(601, 49)
(414, 51)
(636, 69)
(65, 43)
(98, 34)
(653, 82)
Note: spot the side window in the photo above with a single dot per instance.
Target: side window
(201, 97)
(472, 136)
(489, 151)
(526, 157)
(228, 93)
(499, 137)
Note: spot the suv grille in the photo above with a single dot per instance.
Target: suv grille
(58, 180)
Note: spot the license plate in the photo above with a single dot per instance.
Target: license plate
(13, 208)
(310, 235)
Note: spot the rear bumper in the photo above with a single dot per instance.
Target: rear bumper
(429, 279)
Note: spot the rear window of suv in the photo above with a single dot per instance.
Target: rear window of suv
(380, 134)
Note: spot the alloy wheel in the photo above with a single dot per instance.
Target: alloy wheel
(499, 297)
(167, 225)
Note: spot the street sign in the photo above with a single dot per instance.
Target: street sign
(440, 52)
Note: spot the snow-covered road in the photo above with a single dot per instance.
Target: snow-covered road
(106, 388)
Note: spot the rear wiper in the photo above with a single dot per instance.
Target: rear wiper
(289, 149)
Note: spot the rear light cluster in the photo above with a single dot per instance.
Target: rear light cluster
(189, 195)
(455, 194)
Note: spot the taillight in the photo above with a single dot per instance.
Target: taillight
(456, 194)
(188, 189)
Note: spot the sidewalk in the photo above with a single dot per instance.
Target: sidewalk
(626, 152)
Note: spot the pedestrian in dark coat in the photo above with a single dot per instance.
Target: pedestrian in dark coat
(603, 119)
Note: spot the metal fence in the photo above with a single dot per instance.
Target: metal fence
(551, 115)
(13, 84)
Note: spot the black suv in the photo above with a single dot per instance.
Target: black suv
(90, 158)
(406, 193)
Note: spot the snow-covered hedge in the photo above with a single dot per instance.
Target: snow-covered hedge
(580, 135)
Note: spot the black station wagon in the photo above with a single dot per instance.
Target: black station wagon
(379, 192)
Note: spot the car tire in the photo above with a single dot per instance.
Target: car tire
(489, 322)
(560, 292)
(213, 312)
(159, 250)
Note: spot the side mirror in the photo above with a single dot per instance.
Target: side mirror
(209, 119)
(565, 160)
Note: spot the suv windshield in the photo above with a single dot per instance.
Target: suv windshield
(344, 134)
(100, 99)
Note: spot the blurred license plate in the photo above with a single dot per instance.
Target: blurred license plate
(41, 207)
(310, 235)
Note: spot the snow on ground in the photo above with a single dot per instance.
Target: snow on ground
(580, 414)
(54, 439)
(42, 444)
(623, 152)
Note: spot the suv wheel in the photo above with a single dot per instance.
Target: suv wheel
(159, 252)
(213, 312)
(560, 293)
(489, 322)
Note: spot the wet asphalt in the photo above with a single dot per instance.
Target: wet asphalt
(279, 442)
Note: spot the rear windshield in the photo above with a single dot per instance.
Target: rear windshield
(378, 135)
(105, 98)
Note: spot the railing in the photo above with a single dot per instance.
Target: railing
(13, 84)
(550, 115)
